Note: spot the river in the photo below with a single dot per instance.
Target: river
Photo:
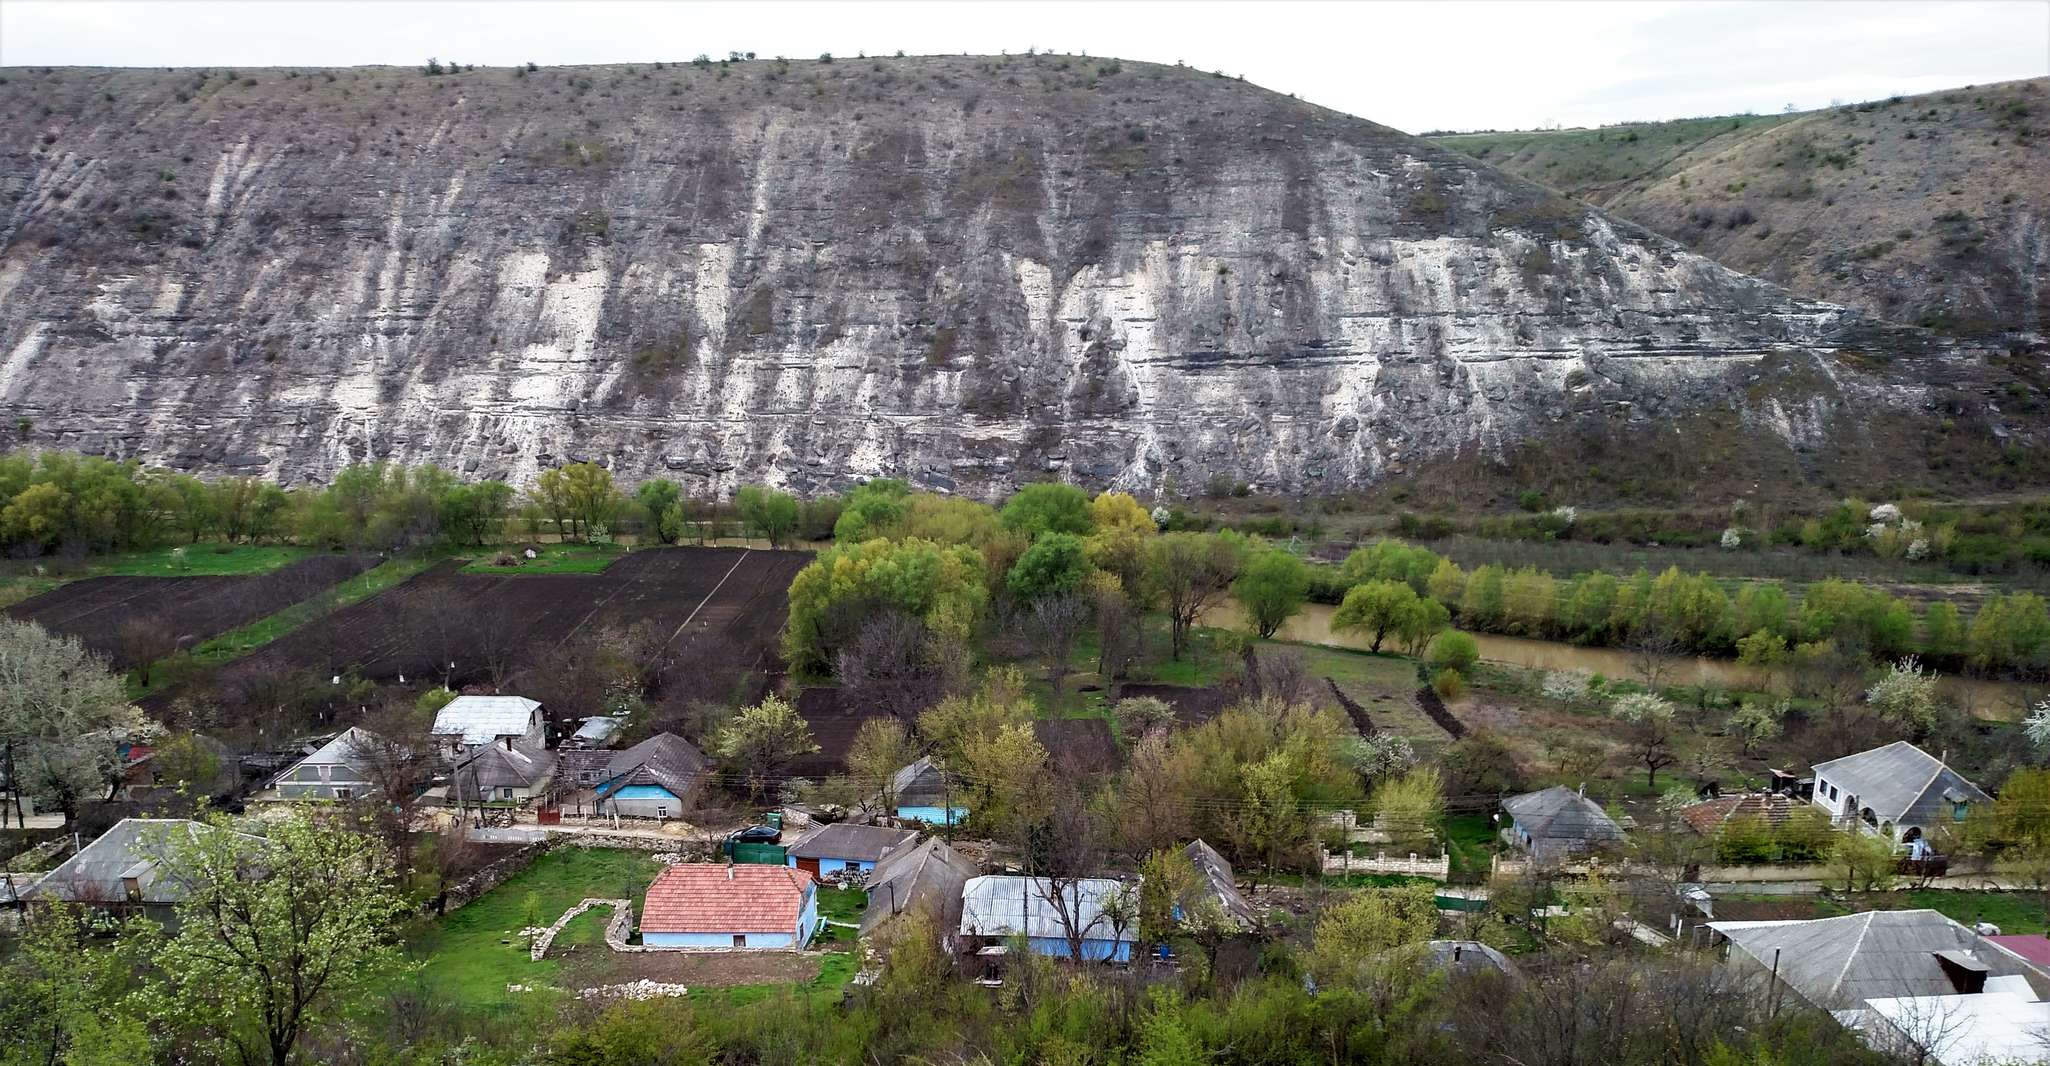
(1312, 625)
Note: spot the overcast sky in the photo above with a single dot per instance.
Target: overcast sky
(1415, 66)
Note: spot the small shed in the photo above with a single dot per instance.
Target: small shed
(843, 846)
(923, 792)
(1222, 885)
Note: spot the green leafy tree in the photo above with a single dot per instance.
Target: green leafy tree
(1048, 507)
(1055, 565)
(1271, 589)
(1353, 934)
(772, 514)
(2010, 632)
(847, 584)
(660, 502)
(1187, 574)
(1410, 807)
(1864, 861)
(882, 746)
(761, 740)
(873, 509)
(64, 996)
(277, 933)
(1377, 609)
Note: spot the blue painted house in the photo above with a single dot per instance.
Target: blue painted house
(658, 778)
(727, 907)
(922, 792)
(996, 907)
(843, 847)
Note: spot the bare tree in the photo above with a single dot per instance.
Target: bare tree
(1117, 634)
(394, 752)
(1284, 675)
(144, 640)
(1652, 656)
(1054, 624)
(1064, 851)
(894, 662)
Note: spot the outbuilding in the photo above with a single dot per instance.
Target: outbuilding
(843, 846)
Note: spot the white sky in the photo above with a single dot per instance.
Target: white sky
(1415, 66)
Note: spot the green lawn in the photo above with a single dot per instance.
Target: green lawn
(841, 904)
(2013, 912)
(549, 559)
(1470, 838)
(472, 955)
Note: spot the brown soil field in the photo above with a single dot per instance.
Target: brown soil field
(834, 720)
(195, 608)
(716, 612)
(1192, 706)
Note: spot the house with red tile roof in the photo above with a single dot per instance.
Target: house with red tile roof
(731, 906)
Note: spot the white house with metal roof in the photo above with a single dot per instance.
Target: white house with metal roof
(1897, 791)
(468, 723)
(994, 907)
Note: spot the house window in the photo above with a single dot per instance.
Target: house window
(505, 793)
(740, 940)
(1832, 792)
(343, 793)
(1957, 811)
(661, 812)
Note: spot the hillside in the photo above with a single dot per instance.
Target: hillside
(970, 272)
(1930, 209)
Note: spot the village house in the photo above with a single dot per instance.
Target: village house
(841, 847)
(1902, 978)
(658, 778)
(501, 774)
(923, 792)
(1103, 920)
(121, 872)
(1898, 791)
(731, 906)
(468, 723)
(1768, 808)
(334, 771)
(921, 873)
(1558, 823)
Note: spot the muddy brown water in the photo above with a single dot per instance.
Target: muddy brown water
(1312, 625)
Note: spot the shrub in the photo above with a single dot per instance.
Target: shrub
(1449, 685)
(1453, 651)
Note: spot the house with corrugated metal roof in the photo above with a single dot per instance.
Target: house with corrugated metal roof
(730, 907)
(337, 770)
(121, 871)
(467, 723)
(1898, 791)
(1094, 917)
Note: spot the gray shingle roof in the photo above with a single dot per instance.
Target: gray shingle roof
(483, 719)
(1838, 963)
(844, 840)
(1561, 814)
(664, 759)
(1217, 873)
(497, 766)
(910, 875)
(922, 784)
(1901, 783)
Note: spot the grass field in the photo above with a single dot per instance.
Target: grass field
(256, 634)
(550, 559)
(2013, 912)
(472, 955)
(841, 904)
(186, 560)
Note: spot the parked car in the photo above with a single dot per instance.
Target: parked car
(755, 834)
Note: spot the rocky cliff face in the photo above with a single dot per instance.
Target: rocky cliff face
(968, 272)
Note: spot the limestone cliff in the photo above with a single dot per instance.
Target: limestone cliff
(969, 272)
